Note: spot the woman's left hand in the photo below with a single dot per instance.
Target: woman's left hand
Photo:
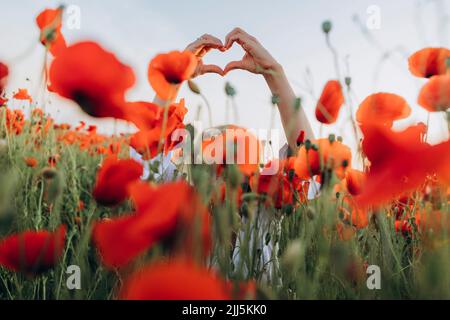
(200, 48)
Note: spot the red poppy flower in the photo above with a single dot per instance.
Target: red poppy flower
(166, 71)
(429, 62)
(50, 23)
(113, 179)
(282, 185)
(147, 140)
(22, 94)
(355, 181)
(161, 214)
(174, 280)
(233, 145)
(330, 102)
(31, 162)
(357, 216)
(403, 226)
(328, 155)
(435, 94)
(400, 162)
(32, 252)
(93, 78)
(144, 115)
(382, 109)
(4, 72)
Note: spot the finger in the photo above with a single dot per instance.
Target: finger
(205, 41)
(213, 40)
(234, 65)
(211, 68)
(233, 33)
(238, 35)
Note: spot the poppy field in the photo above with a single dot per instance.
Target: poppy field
(82, 219)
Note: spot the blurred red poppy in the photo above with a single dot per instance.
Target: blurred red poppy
(355, 181)
(31, 162)
(400, 162)
(330, 102)
(161, 213)
(4, 72)
(49, 22)
(284, 187)
(354, 215)
(232, 145)
(111, 187)
(382, 109)
(429, 62)
(328, 155)
(174, 280)
(22, 94)
(168, 70)
(147, 140)
(435, 94)
(93, 78)
(32, 252)
(144, 115)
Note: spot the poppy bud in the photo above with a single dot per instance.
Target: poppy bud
(340, 139)
(301, 138)
(229, 90)
(315, 147)
(291, 175)
(234, 176)
(194, 87)
(345, 163)
(275, 99)
(348, 81)
(297, 104)
(310, 213)
(244, 210)
(288, 209)
(327, 26)
(332, 138)
(308, 144)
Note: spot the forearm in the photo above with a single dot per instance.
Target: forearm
(294, 120)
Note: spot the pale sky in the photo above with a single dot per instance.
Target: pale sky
(289, 29)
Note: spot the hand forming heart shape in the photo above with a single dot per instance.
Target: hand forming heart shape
(256, 59)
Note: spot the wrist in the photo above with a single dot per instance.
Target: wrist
(275, 78)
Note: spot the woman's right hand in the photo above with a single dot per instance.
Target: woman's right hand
(256, 59)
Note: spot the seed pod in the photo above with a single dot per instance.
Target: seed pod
(327, 26)
(348, 81)
(229, 90)
(194, 87)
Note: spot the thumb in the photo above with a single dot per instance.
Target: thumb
(211, 68)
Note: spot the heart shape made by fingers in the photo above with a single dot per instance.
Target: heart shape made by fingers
(213, 67)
